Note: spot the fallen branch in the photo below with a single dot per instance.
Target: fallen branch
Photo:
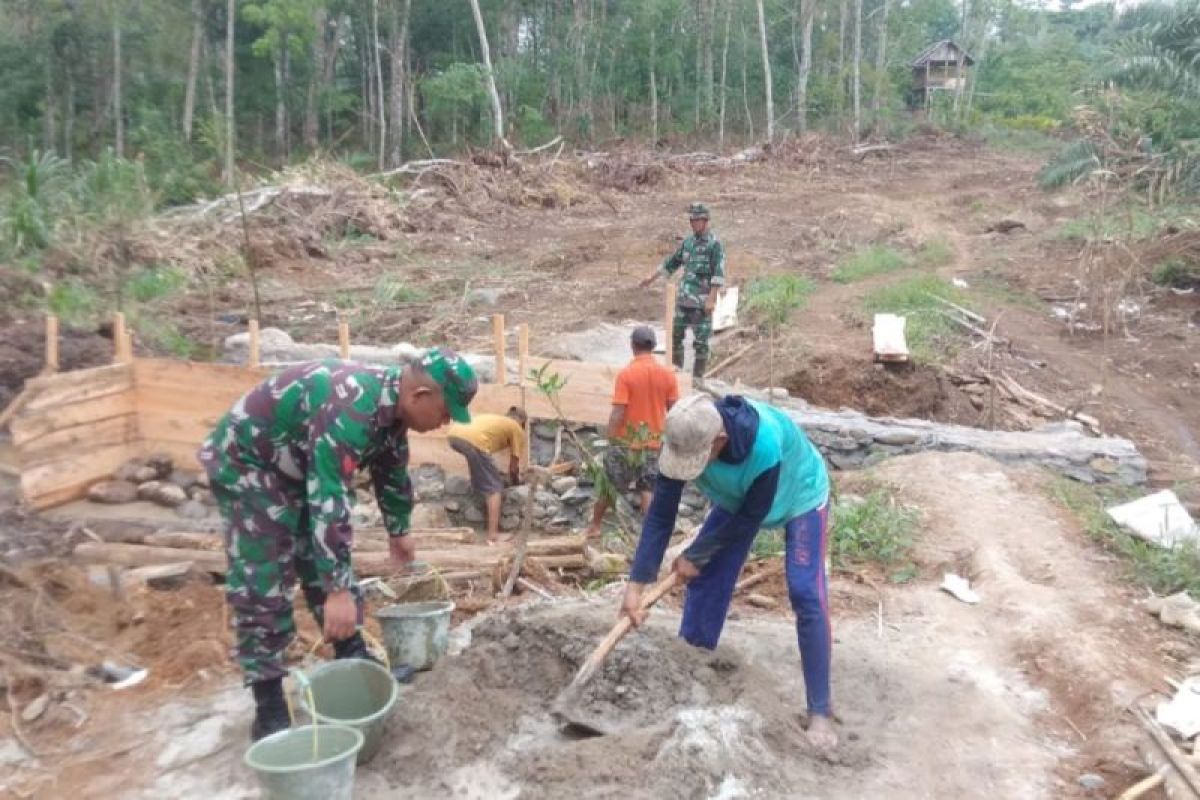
(726, 362)
(540, 147)
(973, 328)
(1020, 393)
(966, 312)
(1183, 767)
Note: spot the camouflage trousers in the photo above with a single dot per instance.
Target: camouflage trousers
(701, 325)
(269, 545)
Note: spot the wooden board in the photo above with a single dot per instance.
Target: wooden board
(64, 388)
(30, 425)
(66, 479)
(79, 440)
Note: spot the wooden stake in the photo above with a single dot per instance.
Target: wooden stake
(252, 359)
(669, 324)
(344, 340)
(118, 334)
(51, 344)
(498, 344)
(523, 381)
(127, 347)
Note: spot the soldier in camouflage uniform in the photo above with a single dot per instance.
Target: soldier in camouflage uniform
(281, 465)
(702, 257)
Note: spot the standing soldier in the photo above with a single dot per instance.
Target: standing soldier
(702, 257)
(281, 465)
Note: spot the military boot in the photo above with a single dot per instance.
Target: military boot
(354, 647)
(271, 711)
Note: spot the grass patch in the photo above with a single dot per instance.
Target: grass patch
(73, 302)
(1178, 273)
(997, 289)
(930, 334)
(875, 530)
(1019, 139)
(1165, 571)
(1131, 222)
(875, 260)
(935, 253)
(155, 282)
(391, 292)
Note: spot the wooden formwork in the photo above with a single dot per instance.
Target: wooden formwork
(70, 429)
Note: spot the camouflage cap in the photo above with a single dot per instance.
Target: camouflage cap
(697, 211)
(456, 378)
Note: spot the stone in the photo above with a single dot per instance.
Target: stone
(457, 486)
(192, 509)
(545, 430)
(560, 522)
(430, 515)
(162, 463)
(35, 708)
(897, 438)
(516, 494)
(453, 506)
(429, 483)
(779, 393)
(194, 743)
(144, 474)
(577, 496)
(129, 470)
(1091, 781)
(843, 444)
(183, 479)
(510, 522)
(564, 484)
(1105, 466)
(484, 297)
(846, 460)
(761, 601)
(475, 514)
(204, 496)
(169, 495)
(112, 492)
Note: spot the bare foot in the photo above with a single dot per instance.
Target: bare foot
(501, 540)
(821, 734)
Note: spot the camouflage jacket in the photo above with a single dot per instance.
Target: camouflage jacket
(703, 262)
(315, 425)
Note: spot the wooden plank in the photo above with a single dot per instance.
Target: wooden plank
(669, 322)
(31, 425)
(344, 340)
(498, 347)
(118, 330)
(53, 448)
(63, 388)
(53, 484)
(253, 359)
(167, 372)
(51, 343)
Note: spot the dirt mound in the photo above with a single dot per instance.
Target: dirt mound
(688, 721)
(904, 390)
(23, 353)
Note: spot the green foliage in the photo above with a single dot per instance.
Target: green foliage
(73, 302)
(931, 336)
(1075, 161)
(874, 530)
(1166, 571)
(935, 253)
(1178, 273)
(113, 191)
(1132, 220)
(393, 292)
(772, 299)
(874, 260)
(768, 544)
(36, 193)
(155, 282)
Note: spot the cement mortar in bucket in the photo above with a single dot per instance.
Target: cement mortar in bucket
(415, 633)
(355, 693)
(287, 770)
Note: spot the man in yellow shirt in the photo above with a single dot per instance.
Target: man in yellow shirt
(476, 441)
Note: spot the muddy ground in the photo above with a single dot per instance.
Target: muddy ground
(1018, 696)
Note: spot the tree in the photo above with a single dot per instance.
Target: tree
(880, 68)
(808, 12)
(490, 77)
(118, 93)
(189, 94)
(857, 69)
(771, 301)
(762, 34)
(230, 25)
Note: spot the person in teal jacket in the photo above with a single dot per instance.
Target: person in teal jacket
(760, 471)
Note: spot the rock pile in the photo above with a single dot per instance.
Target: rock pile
(156, 480)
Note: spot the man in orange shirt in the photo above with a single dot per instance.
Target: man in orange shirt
(644, 392)
(476, 441)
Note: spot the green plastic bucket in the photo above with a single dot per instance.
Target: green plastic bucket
(287, 770)
(415, 633)
(355, 693)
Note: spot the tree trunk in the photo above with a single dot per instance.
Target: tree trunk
(880, 70)
(724, 74)
(320, 50)
(50, 104)
(843, 16)
(398, 34)
(230, 25)
(958, 84)
(189, 92)
(745, 82)
(710, 20)
(486, 55)
(857, 69)
(69, 117)
(762, 34)
(379, 102)
(280, 106)
(118, 104)
(653, 91)
(808, 12)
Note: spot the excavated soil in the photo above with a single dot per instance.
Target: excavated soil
(23, 353)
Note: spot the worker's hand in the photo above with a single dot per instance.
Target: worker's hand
(711, 302)
(403, 549)
(631, 604)
(341, 616)
(685, 569)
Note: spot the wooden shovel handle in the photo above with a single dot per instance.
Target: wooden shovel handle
(618, 631)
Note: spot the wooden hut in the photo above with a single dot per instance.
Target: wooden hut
(939, 68)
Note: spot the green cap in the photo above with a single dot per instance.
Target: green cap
(697, 211)
(456, 378)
